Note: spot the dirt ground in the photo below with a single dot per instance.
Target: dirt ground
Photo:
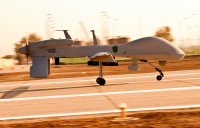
(80, 70)
(176, 119)
(189, 118)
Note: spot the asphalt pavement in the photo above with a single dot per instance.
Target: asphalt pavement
(82, 96)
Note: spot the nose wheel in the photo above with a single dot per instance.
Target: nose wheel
(159, 77)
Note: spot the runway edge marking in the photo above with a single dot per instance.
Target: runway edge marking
(99, 94)
(137, 82)
(70, 81)
(99, 112)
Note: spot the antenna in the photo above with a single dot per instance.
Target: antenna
(94, 38)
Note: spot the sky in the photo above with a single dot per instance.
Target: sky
(131, 18)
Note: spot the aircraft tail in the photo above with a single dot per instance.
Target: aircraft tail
(94, 38)
(67, 36)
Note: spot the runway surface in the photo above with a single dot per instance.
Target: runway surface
(82, 96)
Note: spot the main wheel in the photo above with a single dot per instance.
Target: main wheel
(100, 81)
(159, 77)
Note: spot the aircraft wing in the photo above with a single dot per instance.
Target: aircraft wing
(102, 57)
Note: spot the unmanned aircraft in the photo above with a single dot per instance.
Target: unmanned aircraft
(144, 49)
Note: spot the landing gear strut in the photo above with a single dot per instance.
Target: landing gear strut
(100, 80)
(159, 77)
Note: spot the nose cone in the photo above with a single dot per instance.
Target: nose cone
(176, 52)
(173, 51)
(22, 50)
(163, 46)
(155, 48)
(180, 54)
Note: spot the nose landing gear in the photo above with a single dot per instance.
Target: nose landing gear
(159, 77)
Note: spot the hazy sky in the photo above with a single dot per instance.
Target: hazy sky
(135, 18)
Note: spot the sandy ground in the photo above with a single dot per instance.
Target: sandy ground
(189, 118)
(176, 119)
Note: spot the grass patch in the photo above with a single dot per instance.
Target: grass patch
(190, 51)
(82, 60)
(74, 60)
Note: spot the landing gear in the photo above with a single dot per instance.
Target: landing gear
(100, 80)
(159, 77)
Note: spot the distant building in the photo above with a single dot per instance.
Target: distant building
(78, 42)
(119, 40)
(112, 41)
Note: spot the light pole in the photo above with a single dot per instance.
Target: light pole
(187, 40)
(104, 26)
(181, 40)
(49, 26)
(114, 28)
(197, 28)
(139, 22)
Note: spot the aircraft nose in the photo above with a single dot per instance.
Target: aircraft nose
(180, 54)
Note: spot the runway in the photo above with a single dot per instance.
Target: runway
(82, 96)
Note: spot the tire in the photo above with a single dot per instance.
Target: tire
(159, 77)
(100, 81)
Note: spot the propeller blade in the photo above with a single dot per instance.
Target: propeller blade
(27, 60)
(27, 50)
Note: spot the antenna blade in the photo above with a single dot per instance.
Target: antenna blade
(94, 38)
(67, 36)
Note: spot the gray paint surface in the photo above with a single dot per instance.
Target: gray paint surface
(148, 48)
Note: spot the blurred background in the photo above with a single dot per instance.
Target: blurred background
(22, 20)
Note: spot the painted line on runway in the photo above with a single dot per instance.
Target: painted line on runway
(154, 76)
(82, 86)
(93, 80)
(99, 94)
(138, 82)
(100, 112)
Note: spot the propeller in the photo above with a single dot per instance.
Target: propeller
(27, 50)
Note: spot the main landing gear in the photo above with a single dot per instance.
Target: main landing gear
(159, 77)
(100, 80)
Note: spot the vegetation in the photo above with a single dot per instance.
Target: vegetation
(9, 57)
(164, 32)
(74, 60)
(22, 42)
(119, 40)
(84, 60)
(193, 50)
